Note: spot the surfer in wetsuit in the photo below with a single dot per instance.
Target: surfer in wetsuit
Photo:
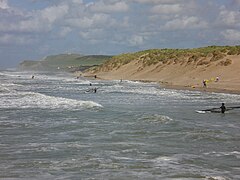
(223, 108)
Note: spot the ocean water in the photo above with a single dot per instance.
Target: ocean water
(55, 127)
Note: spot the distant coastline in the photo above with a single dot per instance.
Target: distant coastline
(63, 62)
(218, 66)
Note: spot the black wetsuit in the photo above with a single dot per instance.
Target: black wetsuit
(223, 108)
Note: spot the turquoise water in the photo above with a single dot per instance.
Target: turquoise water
(53, 127)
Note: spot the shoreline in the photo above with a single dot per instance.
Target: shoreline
(201, 89)
(170, 85)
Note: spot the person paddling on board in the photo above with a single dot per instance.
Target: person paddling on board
(223, 108)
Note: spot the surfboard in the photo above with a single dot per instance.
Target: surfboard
(216, 110)
(200, 112)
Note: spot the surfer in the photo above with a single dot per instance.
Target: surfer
(32, 76)
(223, 108)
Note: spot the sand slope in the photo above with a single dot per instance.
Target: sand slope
(183, 74)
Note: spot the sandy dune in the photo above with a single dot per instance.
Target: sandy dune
(183, 75)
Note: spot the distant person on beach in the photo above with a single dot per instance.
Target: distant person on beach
(95, 90)
(95, 76)
(223, 108)
(217, 79)
(204, 83)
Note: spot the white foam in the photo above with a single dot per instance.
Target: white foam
(219, 154)
(165, 161)
(4, 89)
(216, 177)
(37, 100)
(156, 118)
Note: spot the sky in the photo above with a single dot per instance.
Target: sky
(34, 29)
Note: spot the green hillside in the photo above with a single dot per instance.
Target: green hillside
(69, 62)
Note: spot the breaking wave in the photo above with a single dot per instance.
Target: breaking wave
(38, 100)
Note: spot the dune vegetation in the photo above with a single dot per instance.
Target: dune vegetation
(150, 57)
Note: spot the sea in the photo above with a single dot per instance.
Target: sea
(55, 127)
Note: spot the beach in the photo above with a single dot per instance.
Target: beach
(221, 76)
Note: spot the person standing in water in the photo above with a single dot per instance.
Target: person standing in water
(223, 108)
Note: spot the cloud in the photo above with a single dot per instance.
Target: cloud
(237, 2)
(11, 39)
(231, 35)
(228, 18)
(35, 21)
(185, 23)
(93, 34)
(157, 1)
(95, 20)
(167, 9)
(64, 31)
(4, 4)
(106, 7)
(53, 13)
(136, 40)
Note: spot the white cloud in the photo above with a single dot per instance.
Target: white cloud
(35, 21)
(104, 7)
(4, 4)
(9, 39)
(228, 17)
(64, 31)
(94, 20)
(53, 13)
(136, 40)
(167, 9)
(231, 35)
(92, 34)
(77, 1)
(157, 1)
(185, 23)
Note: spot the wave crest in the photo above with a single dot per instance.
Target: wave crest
(37, 100)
